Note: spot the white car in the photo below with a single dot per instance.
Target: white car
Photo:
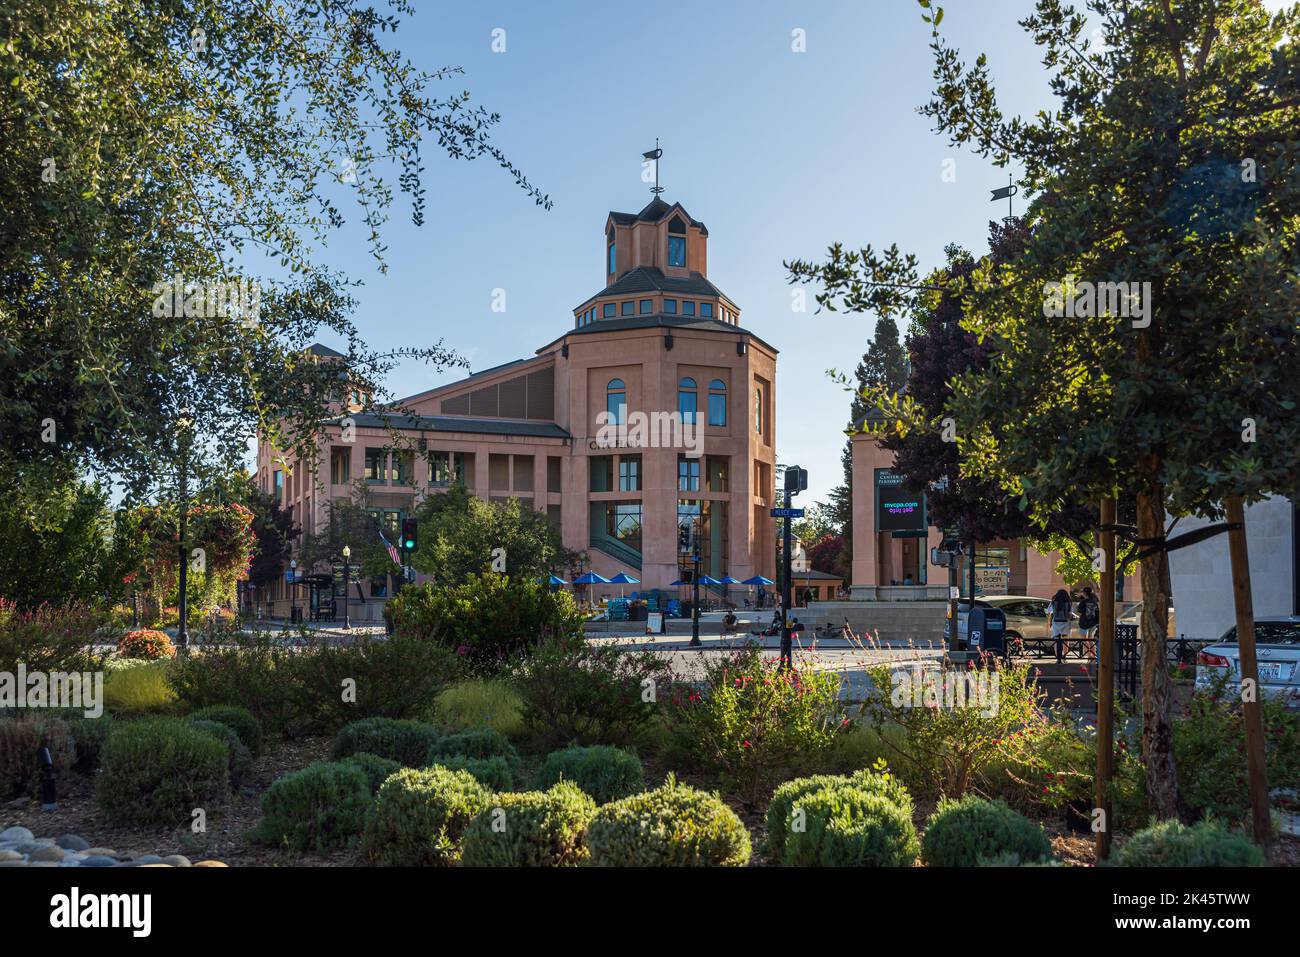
(1277, 654)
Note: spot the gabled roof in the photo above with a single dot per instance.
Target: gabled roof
(325, 352)
(656, 211)
(452, 423)
(652, 279)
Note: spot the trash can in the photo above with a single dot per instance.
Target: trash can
(987, 631)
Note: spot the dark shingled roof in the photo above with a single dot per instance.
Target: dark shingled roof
(663, 320)
(447, 423)
(652, 279)
(655, 211)
(326, 352)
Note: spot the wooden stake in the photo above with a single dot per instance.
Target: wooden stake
(1254, 718)
(1105, 684)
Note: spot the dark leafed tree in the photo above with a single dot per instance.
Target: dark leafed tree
(1164, 212)
(155, 145)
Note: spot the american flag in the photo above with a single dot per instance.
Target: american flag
(392, 550)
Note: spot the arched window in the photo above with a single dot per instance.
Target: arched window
(616, 402)
(686, 401)
(717, 402)
(677, 242)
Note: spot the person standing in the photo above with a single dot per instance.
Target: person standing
(1061, 614)
(1089, 615)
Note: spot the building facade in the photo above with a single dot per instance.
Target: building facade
(655, 409)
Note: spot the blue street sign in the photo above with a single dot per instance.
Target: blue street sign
(787, 513)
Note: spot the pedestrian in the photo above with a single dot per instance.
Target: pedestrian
(1089, 615)
(762, 596)
(1060, 622)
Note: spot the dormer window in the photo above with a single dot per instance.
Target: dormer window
(677, 243)
(613, 247)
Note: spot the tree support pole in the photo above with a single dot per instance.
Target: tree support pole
(1102, 823)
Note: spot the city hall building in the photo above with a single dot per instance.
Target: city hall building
(564, 430)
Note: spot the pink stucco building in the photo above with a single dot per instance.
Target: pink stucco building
(656, 343)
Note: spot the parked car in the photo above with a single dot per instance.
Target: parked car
(1029, 620)
(1277, 654)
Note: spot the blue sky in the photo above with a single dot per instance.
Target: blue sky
(778, 152)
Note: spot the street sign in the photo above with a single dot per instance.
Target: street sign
(787, 513)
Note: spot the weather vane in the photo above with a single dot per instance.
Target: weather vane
(1002, 192)
(654, 154)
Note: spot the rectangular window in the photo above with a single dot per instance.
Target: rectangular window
(629, 473)
(706, 310)
(602, 473)
(610, 310)
(647, 306)
(498, 473)
(340, 466)
(403, 468)
(376, 466)
(677, 250)
(465, 469)
(440, 469)
(716, 469)
(279, 485)
(628, 308)
(688, 308)
(523, 469)
(613, 259)
(688, 474)
(553, 473)
(670, 307)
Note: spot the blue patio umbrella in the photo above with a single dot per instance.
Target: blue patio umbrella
(727, 581)
(591, 578)
(621, 579)
(553, 580)
(758, 580)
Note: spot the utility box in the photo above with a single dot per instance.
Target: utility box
(986, 631)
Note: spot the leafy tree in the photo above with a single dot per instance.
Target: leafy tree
(349, 522)
(826, 554)
(275, 530)
(202, 141)
(1169, 162)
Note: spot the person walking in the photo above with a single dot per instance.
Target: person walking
(1089, 615)
(1061, 611)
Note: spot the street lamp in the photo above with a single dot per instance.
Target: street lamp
(695, 585)
(293, 590)
(347, 568)
(184, 429)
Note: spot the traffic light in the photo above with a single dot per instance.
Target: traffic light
(796, 479)
(408, 534)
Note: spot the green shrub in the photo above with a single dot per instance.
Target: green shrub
(376, 769)
(1210, 751)
(478, 743)
(142, 690)
(755, 725)
(157, 770)
(479, 704)
(490, 620)
(255, 671)
(534, 829)
(673, 826)
(21, 738)
(49, 637)
(877, 781)
(321, 807)
(605, 773)
(420, 816)
(578, 693)
(89, 734)
(1171, 844)
(146, 643)
(495, 773)
(848, 822)
(964, 832)
(240, 720)
(407, 742)
(241, 759)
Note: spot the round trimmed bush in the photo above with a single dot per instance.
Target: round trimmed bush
(1171, 844)
(148, 644)
(672, 826)
(533, 829)
(605, 773)
(963, 833)
(241, 759)
(479, 743)
(420, 816)
(846, 826)
(494, 773)
(240, 720)
(781, 807)
(157, 770)
(321, 807)
(376, 769)
(405, 741)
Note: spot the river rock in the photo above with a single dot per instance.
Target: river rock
(71, 842)
(98, 860)
(51, 853)
(15, 835)
(177, 860)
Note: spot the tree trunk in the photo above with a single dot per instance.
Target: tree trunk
(1157, 727)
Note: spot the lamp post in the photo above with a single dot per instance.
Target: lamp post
(347, 577)
(184, 426)
(695, 586)
(293, 590)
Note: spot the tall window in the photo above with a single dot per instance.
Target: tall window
(758, 411)
(686, 400)
(616, 401)
(688, 474)
(375, 465)
(278, 479)
(677, 243)
(613, 259)
(629, 473)
(440, 469)
(717, 402)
